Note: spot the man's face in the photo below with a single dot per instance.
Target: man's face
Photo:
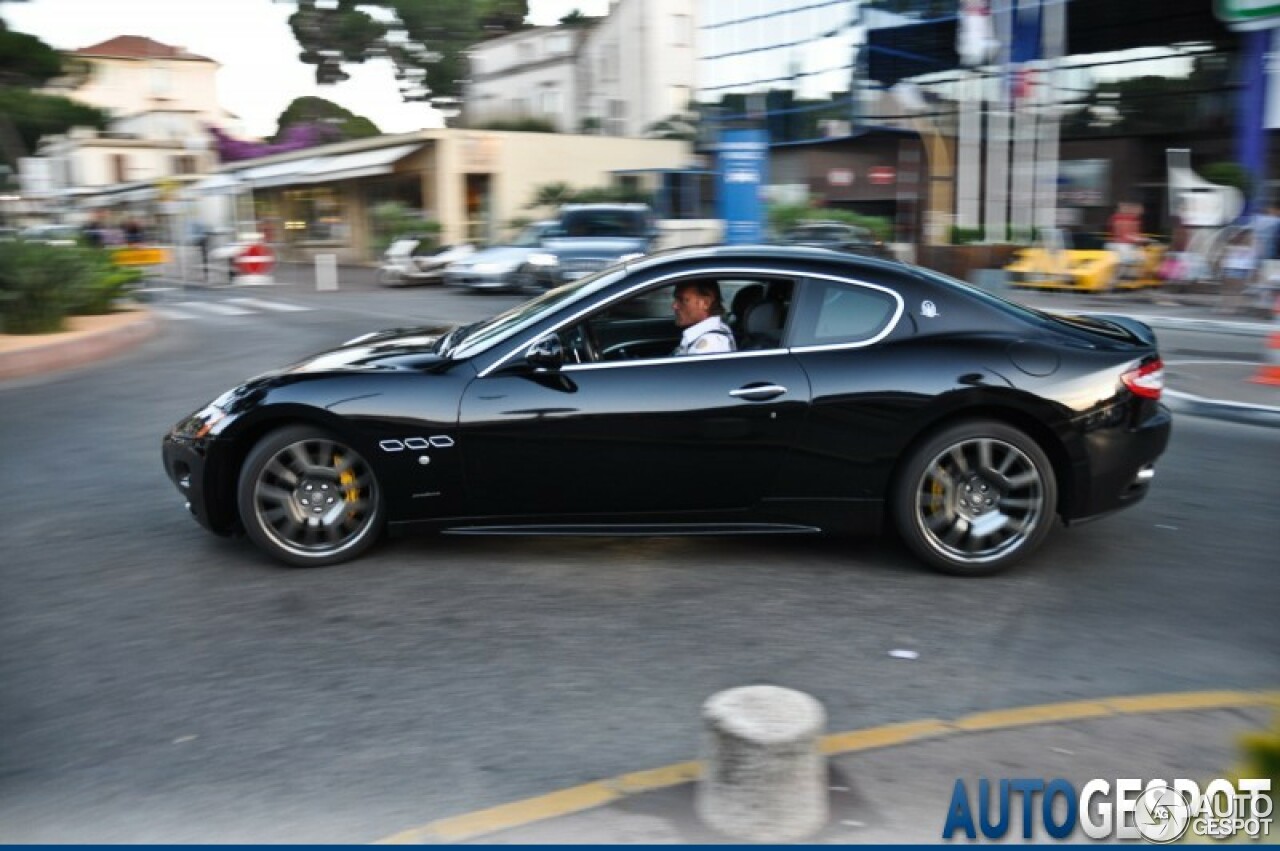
(691, 307)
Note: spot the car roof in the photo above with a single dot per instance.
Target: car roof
(770, 252)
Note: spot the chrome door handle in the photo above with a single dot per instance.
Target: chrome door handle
(758, 392)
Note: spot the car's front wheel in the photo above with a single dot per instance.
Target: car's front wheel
(975, 498)
(309, 499)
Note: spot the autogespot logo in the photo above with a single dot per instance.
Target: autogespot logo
(1156, 811)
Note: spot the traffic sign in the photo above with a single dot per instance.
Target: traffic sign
(882, 175)
(255, 259)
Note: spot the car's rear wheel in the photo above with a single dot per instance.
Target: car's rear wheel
(975, 498)
(309, 499)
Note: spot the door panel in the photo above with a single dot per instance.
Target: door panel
(660, 436)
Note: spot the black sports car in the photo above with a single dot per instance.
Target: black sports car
(861, 391)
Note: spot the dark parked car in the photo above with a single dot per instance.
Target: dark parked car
(861, 390)
(837, 236)
(587, 238)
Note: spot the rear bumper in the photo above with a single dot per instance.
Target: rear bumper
(1121, 462)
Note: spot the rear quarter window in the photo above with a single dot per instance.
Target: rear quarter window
(835, 312)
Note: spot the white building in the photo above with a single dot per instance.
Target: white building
(615, 76)
(527, 74)
(638, 65)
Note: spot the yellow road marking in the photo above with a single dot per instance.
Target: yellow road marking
(881, 737)
(515, 814)
(590, 795)
(1043, 714)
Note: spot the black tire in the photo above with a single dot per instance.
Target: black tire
(978, 474)
(308, 499)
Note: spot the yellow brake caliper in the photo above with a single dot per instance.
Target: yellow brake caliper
(347, 479)
(936, 493)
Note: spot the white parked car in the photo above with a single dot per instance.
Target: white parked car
(410, 261)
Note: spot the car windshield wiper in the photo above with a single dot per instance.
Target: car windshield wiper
(450, 341)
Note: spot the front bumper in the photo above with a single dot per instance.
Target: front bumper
(194, 467)
(484, 281)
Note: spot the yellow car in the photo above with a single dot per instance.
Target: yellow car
(1080, 270)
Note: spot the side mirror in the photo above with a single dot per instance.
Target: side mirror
(547, 353)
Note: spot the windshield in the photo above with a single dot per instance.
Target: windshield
(624, 223)
(530, 236)
(473, 339)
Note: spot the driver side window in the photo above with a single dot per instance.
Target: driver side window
(644, 325)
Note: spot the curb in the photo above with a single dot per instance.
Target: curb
(78, 348)
(1220, 409)
(600, 793)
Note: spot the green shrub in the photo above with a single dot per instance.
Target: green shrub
(1262, 753)
(392, 220)
(110, 284)
(40, 284)
(965, 236)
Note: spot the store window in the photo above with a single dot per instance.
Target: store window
(314, 215)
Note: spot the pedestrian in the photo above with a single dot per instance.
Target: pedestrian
(1238, 264)
(1126, 239)
(133, 232)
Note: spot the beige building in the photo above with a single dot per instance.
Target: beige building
(161, 99)
(474, 183)
(152, 90)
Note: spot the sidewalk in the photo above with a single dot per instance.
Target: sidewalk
(893, 784)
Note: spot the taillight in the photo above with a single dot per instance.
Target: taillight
(1147, 380)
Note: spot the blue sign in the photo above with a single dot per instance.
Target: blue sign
(743, 173)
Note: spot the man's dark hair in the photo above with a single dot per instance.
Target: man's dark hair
(709, 289)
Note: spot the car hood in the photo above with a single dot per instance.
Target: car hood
(506, 254)
(609, 248)
(395, 348)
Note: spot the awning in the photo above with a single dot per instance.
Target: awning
(359, 164)
(279, 174)
(310, 170)
(219, 184)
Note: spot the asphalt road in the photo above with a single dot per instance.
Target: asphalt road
(158, 684)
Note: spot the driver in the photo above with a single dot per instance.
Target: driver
(699, 313)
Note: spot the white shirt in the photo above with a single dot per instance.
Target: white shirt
(707, 337)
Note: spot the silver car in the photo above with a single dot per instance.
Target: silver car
(496, 267)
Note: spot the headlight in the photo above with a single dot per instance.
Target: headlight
(542, 259)
(208, 420)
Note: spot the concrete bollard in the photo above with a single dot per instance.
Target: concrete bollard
(326, 273)
(763, 779)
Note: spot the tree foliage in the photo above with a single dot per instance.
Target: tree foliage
(295, 138)
(26, 60)
(312, 110)
(425, 40)
(32, 115)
